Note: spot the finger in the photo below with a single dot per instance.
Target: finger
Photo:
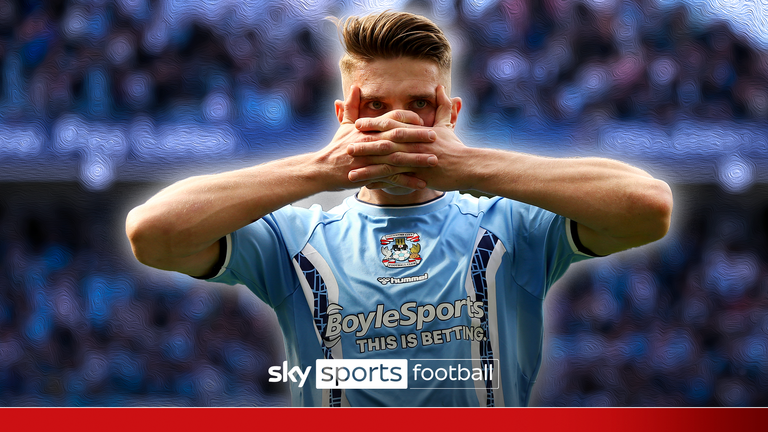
(378, 185)
(352, 105)
(377, 124)
(443, 112)
(406, 180)
(390, 120)
(405, 116)
(411, 160)
(402, 135)
(378, 172)
(386, 147)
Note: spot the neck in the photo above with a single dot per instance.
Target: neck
(380, 197)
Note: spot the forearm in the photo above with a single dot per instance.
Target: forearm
(189, 216)
(607, 196)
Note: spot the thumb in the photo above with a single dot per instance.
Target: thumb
(443, 112)
(352, 105)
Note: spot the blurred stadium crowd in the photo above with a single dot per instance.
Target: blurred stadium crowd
(82, 325)
(679, 323)
(684, 322)
(579, 60)
(114, 60)
(216, 61)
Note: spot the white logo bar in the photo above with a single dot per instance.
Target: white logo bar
(361, 374)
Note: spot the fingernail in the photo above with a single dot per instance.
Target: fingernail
(421, 121)
(432, 160)
(432, 135)
(352, 176)
(351, 149)
(421, 184)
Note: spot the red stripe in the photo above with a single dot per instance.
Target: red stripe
(538, 419)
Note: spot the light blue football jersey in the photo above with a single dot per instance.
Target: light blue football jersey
(458, 277)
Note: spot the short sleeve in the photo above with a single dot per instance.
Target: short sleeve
(256, 256)
(540, 243)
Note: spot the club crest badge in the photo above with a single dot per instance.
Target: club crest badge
(400, 250)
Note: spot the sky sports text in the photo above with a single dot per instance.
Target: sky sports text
(392, 374)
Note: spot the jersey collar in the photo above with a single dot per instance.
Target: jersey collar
(400, 210)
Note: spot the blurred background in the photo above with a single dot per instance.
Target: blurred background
(104, 102)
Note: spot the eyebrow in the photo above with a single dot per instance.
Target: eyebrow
(428, 96)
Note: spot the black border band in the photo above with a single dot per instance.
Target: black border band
(575, 236)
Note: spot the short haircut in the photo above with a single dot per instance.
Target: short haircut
(391, 35)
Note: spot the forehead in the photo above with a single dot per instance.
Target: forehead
(397, 77)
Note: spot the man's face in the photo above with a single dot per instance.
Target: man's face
(397, 84)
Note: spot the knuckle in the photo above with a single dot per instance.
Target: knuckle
(383, 146)
(386, 170)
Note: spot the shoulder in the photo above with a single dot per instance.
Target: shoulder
(474, 205)
(496, 205)
(304, 216)
(296, 224)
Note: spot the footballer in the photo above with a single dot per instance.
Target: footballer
(406, 267)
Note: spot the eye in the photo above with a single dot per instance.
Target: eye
(375, 105)
(420, 104)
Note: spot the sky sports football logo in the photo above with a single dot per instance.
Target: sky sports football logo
(393, 374)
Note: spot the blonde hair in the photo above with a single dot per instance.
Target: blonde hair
(390, 35)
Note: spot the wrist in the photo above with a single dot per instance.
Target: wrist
(480, 169)
(496, 172)
(326, 171)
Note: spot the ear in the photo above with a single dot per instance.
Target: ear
(339, 110)
(455, 108)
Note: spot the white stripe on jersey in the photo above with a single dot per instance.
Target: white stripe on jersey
(572, 243)
(493, 320)
(470, 288)
(226, 258)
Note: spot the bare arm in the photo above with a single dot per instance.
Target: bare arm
(616, 206)
(179, 228)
